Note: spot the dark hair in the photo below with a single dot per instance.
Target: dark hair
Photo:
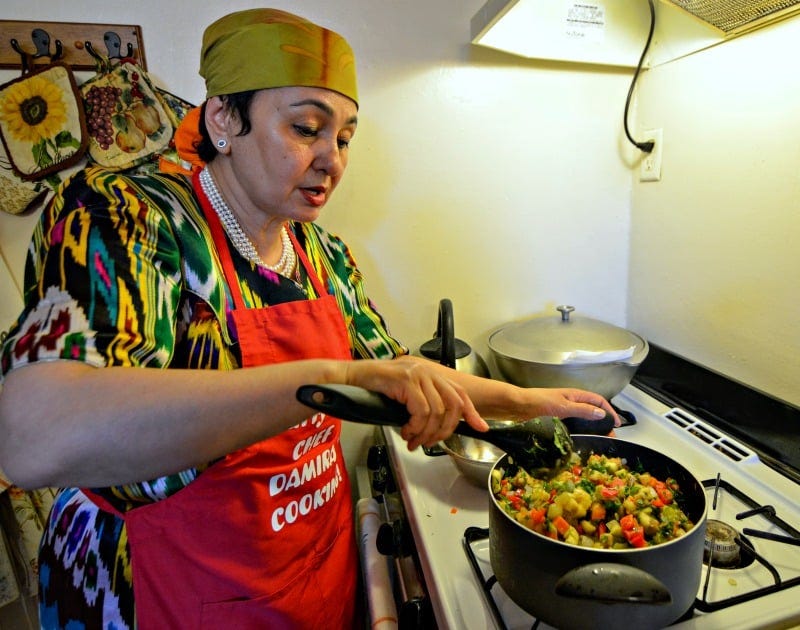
(239, 105)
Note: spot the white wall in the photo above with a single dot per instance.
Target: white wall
(497, 185)
(715, 245)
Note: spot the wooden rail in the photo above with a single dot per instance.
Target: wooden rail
(74, 44)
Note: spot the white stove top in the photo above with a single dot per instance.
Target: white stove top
(441, 504)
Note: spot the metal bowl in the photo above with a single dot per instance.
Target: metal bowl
(474, 458)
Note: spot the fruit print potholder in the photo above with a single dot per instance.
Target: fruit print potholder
(126, 121)
(41, 122)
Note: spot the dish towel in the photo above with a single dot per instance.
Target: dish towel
(378, 584)
(22, 520)
(9, 589)
(607, 356)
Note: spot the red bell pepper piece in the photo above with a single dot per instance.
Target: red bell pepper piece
(561, 525)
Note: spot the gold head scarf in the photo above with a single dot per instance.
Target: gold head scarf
(267, 48)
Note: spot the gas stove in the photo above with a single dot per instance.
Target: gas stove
(751, 574)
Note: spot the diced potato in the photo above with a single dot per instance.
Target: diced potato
(554, 511)
(572, 537)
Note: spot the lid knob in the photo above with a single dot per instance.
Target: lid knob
(565, 311)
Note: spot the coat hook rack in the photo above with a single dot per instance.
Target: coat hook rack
(51, 42)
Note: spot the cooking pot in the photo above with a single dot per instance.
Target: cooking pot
(568, 586)
(447, 349)
(568, 352)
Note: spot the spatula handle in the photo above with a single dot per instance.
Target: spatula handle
(354, 404)
(361, 405)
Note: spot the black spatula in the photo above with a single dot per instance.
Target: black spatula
(537, 443)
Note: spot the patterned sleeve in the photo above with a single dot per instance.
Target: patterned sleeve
(369, 335)
(101, 280)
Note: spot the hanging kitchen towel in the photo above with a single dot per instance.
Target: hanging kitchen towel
(168, 160)
(127, 122)
(30, 510)
(175, 106)
(42, 123)
(17, 195)
(9, 589)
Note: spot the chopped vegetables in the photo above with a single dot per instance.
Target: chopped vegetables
(600, 504)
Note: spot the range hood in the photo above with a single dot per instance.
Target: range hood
(613, 32)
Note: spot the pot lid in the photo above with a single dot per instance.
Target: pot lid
(567, 340)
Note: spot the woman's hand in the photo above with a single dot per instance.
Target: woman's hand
(437, 398)
(436, 403)
(568, 403)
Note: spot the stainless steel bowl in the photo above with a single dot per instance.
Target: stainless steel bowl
(474, 458)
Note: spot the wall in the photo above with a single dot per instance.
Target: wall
(471, 177)
(714, 258)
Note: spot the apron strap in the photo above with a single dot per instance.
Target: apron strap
(102, 503)
(301, 254)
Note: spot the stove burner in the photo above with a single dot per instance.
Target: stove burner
(721, 547)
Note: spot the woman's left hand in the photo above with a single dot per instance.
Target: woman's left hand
(568, 403)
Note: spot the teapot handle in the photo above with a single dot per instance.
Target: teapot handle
(445, 329)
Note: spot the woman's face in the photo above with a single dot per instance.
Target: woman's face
(295, 154)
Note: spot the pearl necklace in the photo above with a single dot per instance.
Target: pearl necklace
(288, 260)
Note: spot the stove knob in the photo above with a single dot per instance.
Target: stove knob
(385, 540)
(416, 613)
(379, 480)
(394, 539)
(377, 457)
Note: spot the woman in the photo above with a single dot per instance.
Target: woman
(204, 495)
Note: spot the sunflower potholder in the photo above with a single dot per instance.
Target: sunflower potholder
(42, 123)
(126, 120)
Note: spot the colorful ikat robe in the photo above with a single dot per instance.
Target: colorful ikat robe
(122, 271)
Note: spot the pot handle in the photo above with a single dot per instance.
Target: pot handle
(613, 583)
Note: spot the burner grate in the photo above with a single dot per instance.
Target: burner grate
(473, 535)
(790, 536)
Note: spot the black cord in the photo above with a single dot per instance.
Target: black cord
(647, 147)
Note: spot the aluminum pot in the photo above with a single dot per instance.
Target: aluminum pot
(568, 352)
(568, 586)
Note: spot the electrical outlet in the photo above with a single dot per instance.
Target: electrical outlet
(650, 169)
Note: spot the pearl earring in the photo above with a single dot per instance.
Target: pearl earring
(222, 143)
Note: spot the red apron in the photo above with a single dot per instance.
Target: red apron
(264, 538)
